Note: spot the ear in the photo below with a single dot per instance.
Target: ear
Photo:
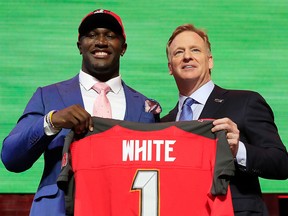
(124, 48)
(79, 47)
(170, 69)
(211, 62)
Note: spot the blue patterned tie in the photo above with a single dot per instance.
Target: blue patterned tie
(186, 113)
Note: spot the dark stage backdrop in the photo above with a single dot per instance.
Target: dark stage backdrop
(38, 47)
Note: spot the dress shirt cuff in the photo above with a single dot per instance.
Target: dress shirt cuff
(241, 154)
(49, 130)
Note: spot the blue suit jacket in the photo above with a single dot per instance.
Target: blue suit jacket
(27, 141)
(266, 155)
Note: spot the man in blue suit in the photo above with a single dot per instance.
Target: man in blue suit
(251, 132)
(55, 109)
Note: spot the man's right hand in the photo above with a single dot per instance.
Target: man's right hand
(74, 117)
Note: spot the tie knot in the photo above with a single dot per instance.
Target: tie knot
(186, 112)
(189, 101)
(101, 87)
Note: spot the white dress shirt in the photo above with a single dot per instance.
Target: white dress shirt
(116, 96)
(200, 95)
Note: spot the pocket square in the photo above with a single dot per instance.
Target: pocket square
(152, 106)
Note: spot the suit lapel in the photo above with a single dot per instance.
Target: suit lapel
(214, 102)
(171, 115)
(133, 104)
(70, 92)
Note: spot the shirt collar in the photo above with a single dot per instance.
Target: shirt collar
(87, 81)
(200, 95)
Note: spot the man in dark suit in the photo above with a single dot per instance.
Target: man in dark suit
(55, 109)
(251, 132)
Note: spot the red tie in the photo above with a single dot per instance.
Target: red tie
(102, 107)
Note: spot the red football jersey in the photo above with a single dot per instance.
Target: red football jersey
(168, 169)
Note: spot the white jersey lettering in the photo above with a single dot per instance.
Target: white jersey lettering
(146, 150)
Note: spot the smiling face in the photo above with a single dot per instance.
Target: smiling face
(189, 61)
(101, 49)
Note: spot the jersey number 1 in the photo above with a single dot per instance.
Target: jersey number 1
(147, 182)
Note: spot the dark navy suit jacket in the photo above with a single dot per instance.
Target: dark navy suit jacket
(27, 141)
(266, 155)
